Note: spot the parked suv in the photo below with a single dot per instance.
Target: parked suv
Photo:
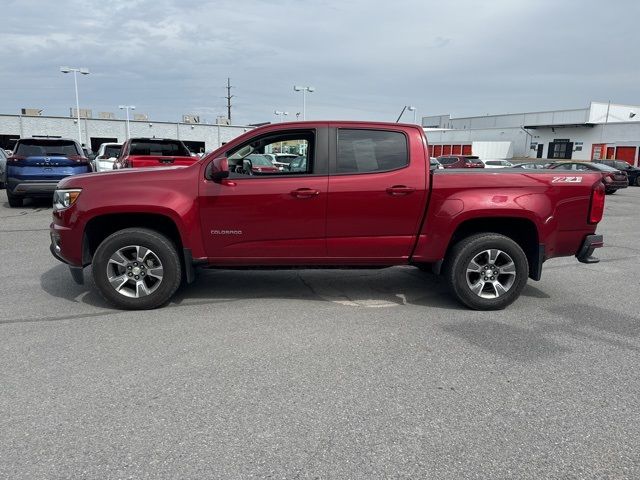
(154, 152)
(632, 172)
(37, 164)
(460, 161)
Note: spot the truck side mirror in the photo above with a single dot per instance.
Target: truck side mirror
(217, 170)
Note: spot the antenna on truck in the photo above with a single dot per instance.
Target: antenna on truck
(400, 116)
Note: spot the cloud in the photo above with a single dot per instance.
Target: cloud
(366, 59)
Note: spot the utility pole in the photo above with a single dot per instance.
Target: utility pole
(229, 97)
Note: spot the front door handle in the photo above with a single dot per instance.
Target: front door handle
(400, 190)
(305, 193)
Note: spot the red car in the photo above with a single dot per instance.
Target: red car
(256, 164)
(460, 161)
(363, 197)
(153, 152)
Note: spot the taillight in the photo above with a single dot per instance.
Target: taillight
(596, 208)
(15, 159)
(78, 158)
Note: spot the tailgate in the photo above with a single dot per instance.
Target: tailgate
(137, 161)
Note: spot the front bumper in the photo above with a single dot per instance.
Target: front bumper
(77, 273)
(591, 242)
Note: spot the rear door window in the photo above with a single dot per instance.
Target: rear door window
(46, 148)
(369, 151)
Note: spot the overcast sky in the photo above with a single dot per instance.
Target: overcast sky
(367, 59)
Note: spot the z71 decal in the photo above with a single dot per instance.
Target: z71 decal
(566, 180)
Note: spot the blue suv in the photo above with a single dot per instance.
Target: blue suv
(38, 164)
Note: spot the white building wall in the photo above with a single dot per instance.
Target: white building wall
(517, 136)
(212, 135)
(617, 113)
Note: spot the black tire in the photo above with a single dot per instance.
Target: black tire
(468, 249)
(160, 245)
(611, 191)
(638, 181)
(14, 201)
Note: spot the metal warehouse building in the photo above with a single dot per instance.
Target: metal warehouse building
(95, 131)
(602, 130)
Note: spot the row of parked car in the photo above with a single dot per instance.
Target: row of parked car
(616, 174)
(37, 164)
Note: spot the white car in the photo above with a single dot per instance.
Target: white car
(106, 157)
(281, 160)
(497, 164)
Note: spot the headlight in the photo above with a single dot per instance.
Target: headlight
(65, 198)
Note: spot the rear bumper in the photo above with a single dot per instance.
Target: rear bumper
(617, 184)
(33, 188)
(591, 242)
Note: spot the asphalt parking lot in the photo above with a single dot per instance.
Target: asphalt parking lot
(321, 374)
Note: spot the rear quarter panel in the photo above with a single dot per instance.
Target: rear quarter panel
(558, 208)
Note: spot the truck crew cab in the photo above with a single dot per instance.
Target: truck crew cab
(366, 197)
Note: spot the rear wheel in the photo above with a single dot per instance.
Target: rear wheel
(611, 191)
(13, 200)
(486, 271)
(638, 181)
(137, 269)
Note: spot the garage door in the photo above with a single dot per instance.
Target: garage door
(628, 154)
(611, 152)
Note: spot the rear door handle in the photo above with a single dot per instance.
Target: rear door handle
(400, 190)
(305, 193)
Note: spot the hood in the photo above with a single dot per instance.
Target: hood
(113, 178)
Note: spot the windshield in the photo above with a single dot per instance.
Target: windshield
(46, 148)
(621, 165)
(605, 168)
(112, 151)
(447, 160)
(260, 160)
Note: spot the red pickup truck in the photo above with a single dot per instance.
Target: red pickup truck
(366, 197)
(153, 152)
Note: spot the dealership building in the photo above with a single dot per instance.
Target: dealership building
(602, 130)
(199, 137)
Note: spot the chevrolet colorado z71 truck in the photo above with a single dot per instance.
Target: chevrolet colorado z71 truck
(366, 197)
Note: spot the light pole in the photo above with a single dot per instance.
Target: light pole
(280, 114)
(127, 108)
(83, 71)
(415, 112)
(304, 91)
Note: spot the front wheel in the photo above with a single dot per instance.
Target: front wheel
(486, 271)
(611, 191)
(137, 269)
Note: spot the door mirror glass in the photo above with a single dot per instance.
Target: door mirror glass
(218, 169)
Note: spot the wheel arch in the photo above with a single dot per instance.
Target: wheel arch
(521, 230)
(100, 227)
